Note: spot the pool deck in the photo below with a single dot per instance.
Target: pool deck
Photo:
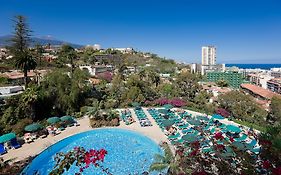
(34, 148)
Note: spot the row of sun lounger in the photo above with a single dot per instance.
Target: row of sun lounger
(13, 144)
(126, 116)
(186, 125)
(144, 121)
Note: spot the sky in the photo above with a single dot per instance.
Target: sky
(244, 31)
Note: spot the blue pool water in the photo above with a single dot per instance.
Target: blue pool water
(128, 152)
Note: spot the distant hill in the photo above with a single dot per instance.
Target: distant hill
(5, 41)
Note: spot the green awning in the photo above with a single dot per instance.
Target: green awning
(203, 118)
(67, 118)
(168, 106)
(7, 137)
(217, 117)
(53, 120)
(167, 123)
(239, 145)
(190, 138)
(163, 111)
(33, 127)
(194, 122)
(232, 128)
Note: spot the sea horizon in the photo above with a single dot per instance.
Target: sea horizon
(254, 66)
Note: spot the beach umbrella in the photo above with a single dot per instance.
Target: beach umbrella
(7, 137)
(217, 117)
(232, 128)
(163, 111)
(53, 120)
(239, 145)
(194, 122)
(167, 123)
(67, 118)
(168, 106)
(203, 118)
(33, 127)
(190, 138)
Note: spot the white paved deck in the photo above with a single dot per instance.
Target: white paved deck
(34, 148)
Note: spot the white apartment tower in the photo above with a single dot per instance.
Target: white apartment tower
(209, 55)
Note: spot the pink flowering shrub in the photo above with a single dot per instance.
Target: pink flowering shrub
(107, 76)
(176, 102)
(81, 158)
(222, 112)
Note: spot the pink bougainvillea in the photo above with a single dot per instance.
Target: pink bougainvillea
(218, 136)
(266, 164)
(222, 112)
(83, 159)
(176, 102)
(276, 171)
(107, 76)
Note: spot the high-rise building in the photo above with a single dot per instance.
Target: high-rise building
(209, 55)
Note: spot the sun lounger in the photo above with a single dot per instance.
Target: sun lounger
(15, 144)
(242, 138)
(174, 136)
(2, 149)
(207, 150)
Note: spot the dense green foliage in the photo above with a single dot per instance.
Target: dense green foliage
(242, 107)
(275, 114)
(57, 95)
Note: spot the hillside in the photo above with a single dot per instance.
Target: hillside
(5, 41)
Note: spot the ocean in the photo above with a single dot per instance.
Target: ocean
(254, 66)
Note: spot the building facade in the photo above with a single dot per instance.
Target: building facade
(234, 79)
(209, 55)
(276, 74)
(274, 85)
(259, 79)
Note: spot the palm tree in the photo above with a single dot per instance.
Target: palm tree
(67, 55)
(19, 48)
(165, 162)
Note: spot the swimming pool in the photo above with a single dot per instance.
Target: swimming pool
(128, 152)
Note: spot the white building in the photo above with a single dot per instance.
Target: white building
(94, 47)
(209, 55)
(124, 50)
(259, 79)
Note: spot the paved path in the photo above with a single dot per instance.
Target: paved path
(39, 145)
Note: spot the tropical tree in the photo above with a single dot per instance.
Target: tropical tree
(67, 55)
(222, 83)
(88, 55)
(187, 85)
(275, 113)
(242, 107)
(19, 49)
(166, 162)
(154, 77)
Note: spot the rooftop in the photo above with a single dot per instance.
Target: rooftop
(265, 93)
(17, 74)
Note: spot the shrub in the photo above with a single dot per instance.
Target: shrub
(19, 127)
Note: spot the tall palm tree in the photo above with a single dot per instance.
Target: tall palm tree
(19, 48)
(166, 162)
